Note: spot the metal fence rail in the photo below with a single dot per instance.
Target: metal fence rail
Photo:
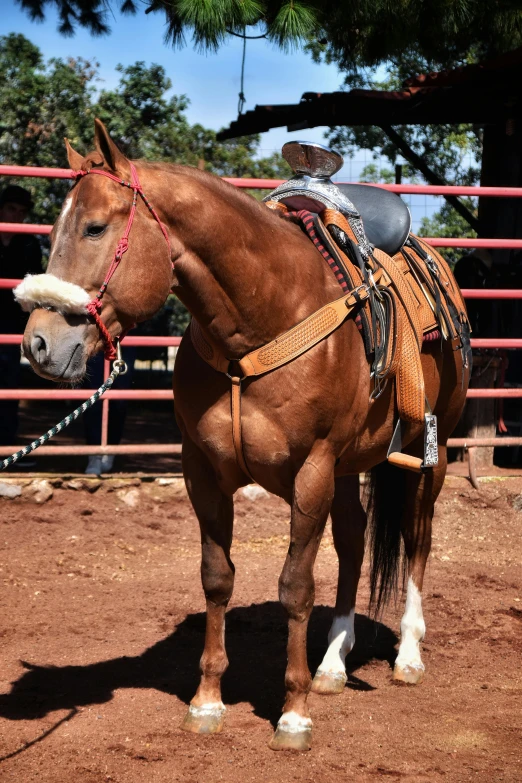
(162, 394)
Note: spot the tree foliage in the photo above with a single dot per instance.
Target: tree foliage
(448, 223)
(356, 34)
(41, 102)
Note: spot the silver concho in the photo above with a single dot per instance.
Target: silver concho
(431, 449)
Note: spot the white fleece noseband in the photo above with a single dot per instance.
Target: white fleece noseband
(49, 291)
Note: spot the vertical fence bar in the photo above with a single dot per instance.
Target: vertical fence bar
(105, 406)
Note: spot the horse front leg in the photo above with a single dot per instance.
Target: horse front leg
(348, 527)
(312, 498)
(215, 513)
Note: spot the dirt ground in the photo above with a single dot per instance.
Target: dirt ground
(102, 629)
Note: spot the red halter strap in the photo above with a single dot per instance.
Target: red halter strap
(95, 304)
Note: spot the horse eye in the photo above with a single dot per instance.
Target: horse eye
(95, 230)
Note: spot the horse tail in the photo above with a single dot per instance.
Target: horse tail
(386, 504)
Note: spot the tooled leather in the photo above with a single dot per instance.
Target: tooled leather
(300, 338)
(352, 273)
(395, 346)
(292, 343)
(447, 284)
(409, 381)
(448, 278)
(209, 352)
(403, 291)
(418, 288)
(331, 217)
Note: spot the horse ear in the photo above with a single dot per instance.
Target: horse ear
(74, 158)
(107, 148)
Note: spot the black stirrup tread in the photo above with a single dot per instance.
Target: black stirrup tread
(385, 216)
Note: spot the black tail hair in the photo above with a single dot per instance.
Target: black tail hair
(386, 504)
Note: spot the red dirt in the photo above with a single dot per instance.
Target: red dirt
(102, 628)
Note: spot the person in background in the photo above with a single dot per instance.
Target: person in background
(475, 270)
(20, 254)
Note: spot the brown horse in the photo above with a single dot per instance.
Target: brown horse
(247, 275)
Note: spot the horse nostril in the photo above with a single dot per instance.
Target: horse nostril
(39, 348)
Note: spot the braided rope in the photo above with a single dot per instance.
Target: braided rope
(119, 367)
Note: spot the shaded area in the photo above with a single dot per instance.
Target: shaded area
(147, 421)
(256, 641)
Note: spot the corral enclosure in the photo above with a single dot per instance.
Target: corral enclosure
(103, 627)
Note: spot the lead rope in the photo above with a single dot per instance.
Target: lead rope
(119, 368)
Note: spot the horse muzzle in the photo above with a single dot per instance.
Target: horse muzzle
(57, 346)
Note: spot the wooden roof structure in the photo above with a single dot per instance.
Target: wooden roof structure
(482, 94)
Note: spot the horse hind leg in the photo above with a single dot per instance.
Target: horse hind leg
(348, 527)
(421, 494)
(215, 514)
(313, 493)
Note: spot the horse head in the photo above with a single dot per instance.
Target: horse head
(102, 277)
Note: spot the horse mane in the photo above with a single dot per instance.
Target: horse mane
(218, 185)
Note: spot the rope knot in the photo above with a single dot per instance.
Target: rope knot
(122, 247)
(93, 306)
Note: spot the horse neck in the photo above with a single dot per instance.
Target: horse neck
(243, 272)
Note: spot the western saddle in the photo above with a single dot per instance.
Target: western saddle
(400, 289)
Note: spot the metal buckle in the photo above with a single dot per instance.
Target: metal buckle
(234, 377)
(119, 363)
(374, 285)
(356, 292)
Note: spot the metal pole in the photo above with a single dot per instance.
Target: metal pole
(105, 406)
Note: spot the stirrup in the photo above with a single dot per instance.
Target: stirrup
(431, 450)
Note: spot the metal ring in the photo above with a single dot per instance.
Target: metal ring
(121, 366)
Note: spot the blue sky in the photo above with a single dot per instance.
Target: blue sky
(211, 81)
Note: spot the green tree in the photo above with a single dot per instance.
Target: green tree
(451, 151)
(41, 102)
(355, 35)
(376, 44)
(447, 223)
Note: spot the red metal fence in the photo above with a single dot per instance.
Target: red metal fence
(162, 394)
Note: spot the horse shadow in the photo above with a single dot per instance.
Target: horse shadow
(256, 646)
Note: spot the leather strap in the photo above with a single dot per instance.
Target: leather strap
(288, 345)
(206, 348)
(406, 461)
(236, 424)
(282, 350)
(302, 337)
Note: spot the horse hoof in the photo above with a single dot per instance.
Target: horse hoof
(293, 732)
(329, 683)
(204, 720)
(411, 674)
(291, 740)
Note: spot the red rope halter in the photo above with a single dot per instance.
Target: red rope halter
(95, 304)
